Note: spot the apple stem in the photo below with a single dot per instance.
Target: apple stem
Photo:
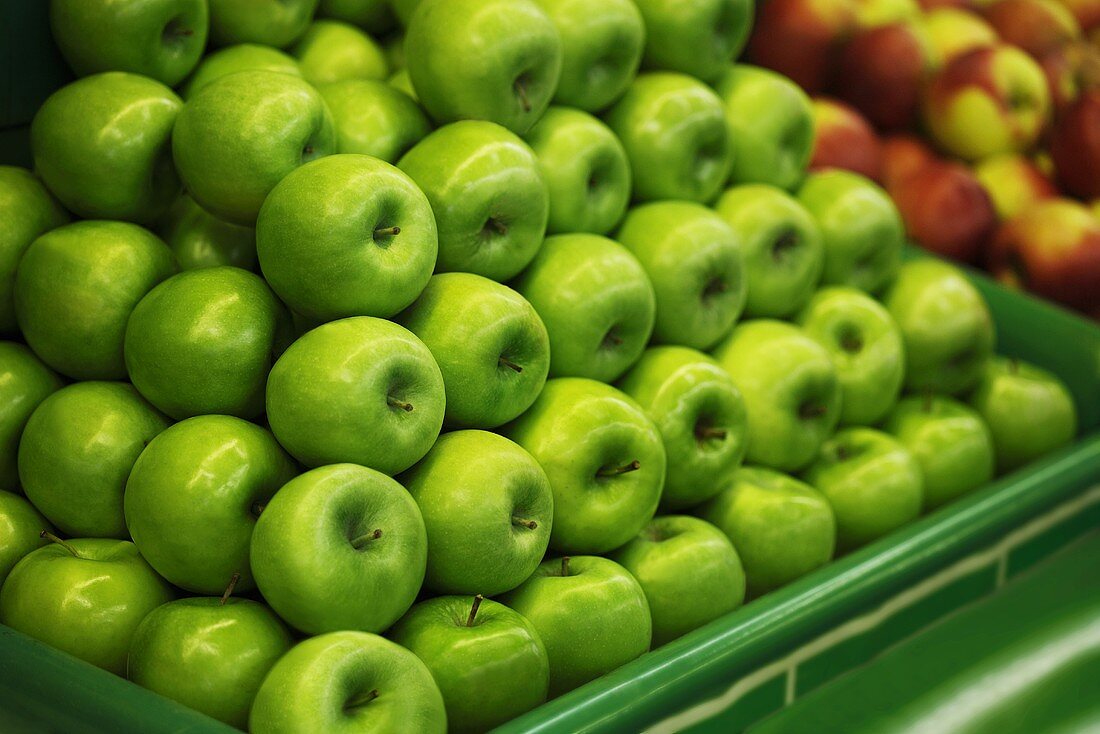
(815, 410)
(258, 508)
(505, 362)
(229, 589)
(473, 610)
(395, 403)
(612, 339)
(615, 471)
(362, 540)
(524, 522)
(702, 433)
(54, 539)
(521, 92)
(564, 566)
(361, 700)
(387, 231)
(308, 150)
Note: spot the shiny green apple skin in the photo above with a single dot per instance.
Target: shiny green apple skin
(373, 16)
(372, 118)
(400, 81)
(950, 442)
(496, 60)
(488, 509)
(596, 301)
(872, 482)
(193, 496)
(332, 51)
(617, 625)
(341, 547)
(203, 342)
(772, 126)
(490, 667)
(21, 526)
(241, 134)
(782, 528)
(699, 38)
(28, 210)
(89, 604)
(275, 23)
(675, 136)
(404, 10)
(861, 229)
(791, 390)
(945, 324)
(359, 390)
(689, 571)
(604, 459)
(77, 452)
(866, 347)
(328, 683)
(490, 201)
(700, 415)
(347, 235)
(783, 250)
(198, 239)
(102, 146)
(1029, 411)
(207, 653)
(601, 42)
(490, 345)
(585, 168)
(162, 39)
(241, 57)
(24, 383)
(695, 262)
(76, 288)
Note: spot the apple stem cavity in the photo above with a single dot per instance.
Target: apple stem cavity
(521, 92)
(614, 471)
(810, 411)
(229, 589)
(524, 522)
(401, 404)
(1013, 366)
(926, 401)
(387, 232)
(505, 362)
(473, 610)
(611, 339)
(47, 535)
(784, 243)
(258, 508)
(361, 700)
(361, 542)
(703, 433)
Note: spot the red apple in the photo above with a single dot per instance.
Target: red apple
(1087, 12)
(800, 38)
(1013, 182)
(844, 139)
(1036, 26)
(1075, 146)
(928, 5)
(953, 31)
(1053, 249)
(902, 156)
(880, 72)
(946, 210)
(1071, 70)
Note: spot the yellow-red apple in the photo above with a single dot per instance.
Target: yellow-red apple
(800, 38)
(1075, 146)
(953, 31)
(844, 139)
(902, 156)
(946, 210)
(1071, 70)
(1013, 182)
(1036, 26)
(880, 72)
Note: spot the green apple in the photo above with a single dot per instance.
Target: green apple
(1029, 411)
(585, 169)
(203, 341)
(76, 288)
(198, 239)
(791, 389)
(373, 16)
(24, 383)
(782, 528)
(782, 245)
(340, 547)
(77, 452)
(347, 235)
(207, 653)
(689, 571)
(85, 597)
(860, 227)
(950, 442)
(348, 683)
(872, 482)
(400, 81)
(372, 118)
(267, 22)
(488, 509)
(596, 301)
(487, 660)
(162, 39)
(241, 134)
(362, 390)
(404, 10)
(193, 497)
(945, 324)
(490, 200)
(589, 612)
(497, 60)
(601, 48)
(604, 459)
(675, 135)
(102, 146)
(489, 343)
(772, 126)
(21, 527)
(866, 347)
(331, 51)
(700, 415)
(242, 57)
(699, 37)
(27, 210)
(695, 262)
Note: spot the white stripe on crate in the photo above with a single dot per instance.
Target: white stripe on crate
(788, 665)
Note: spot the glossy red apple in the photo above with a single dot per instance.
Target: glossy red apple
(880, 72)
(946, 210)
(800, 38)
(844, 139)
(1036, 26)
(1075, 146)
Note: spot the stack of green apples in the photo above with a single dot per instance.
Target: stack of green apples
(401, 384)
